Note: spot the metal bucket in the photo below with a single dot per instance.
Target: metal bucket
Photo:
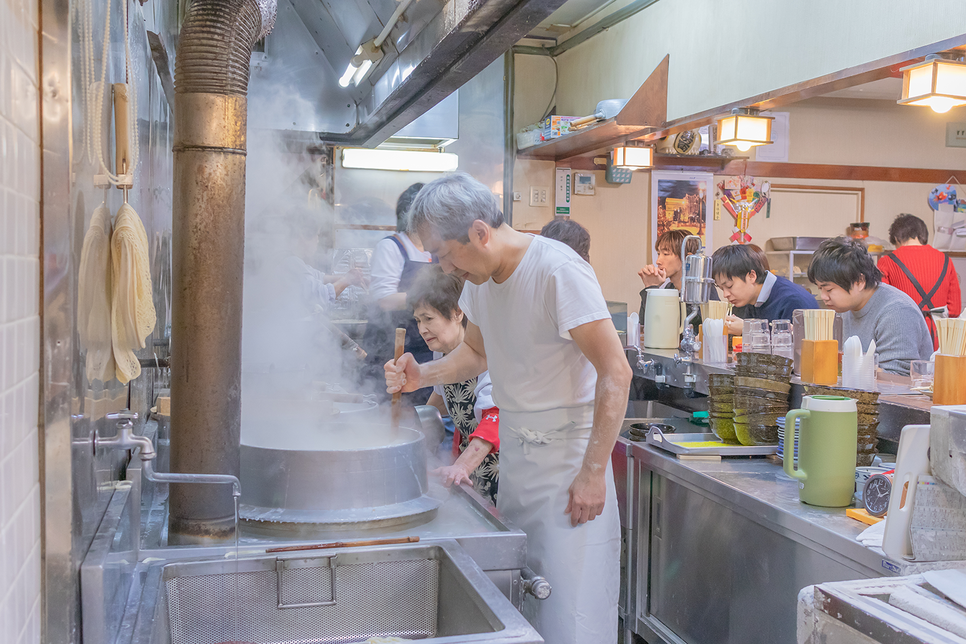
(361, 482)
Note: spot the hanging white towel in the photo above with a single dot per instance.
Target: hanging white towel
(94, 297)
(132, 314)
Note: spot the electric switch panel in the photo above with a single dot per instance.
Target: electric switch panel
(539, 196)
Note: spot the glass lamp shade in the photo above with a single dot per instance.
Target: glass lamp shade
(936, 83)
(744, 131)
(633, 158)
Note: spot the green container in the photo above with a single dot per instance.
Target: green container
(826, 450)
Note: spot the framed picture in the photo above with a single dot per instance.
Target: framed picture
(682, 200)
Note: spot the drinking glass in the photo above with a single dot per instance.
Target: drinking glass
(756, 337)
(781, 339)
(922, 373)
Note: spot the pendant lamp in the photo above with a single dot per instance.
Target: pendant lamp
(744, 128)
(937, 82)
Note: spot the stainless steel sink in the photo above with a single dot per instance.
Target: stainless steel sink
(431, 592)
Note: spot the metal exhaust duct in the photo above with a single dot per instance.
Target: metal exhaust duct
(210, 110)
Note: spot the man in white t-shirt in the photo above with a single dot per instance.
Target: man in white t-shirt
(539, 323)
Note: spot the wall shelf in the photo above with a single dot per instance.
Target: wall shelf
(644, 111)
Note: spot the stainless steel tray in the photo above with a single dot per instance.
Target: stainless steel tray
(672, 443)
(796, 243)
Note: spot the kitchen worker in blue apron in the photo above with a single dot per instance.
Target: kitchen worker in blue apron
(539, 323)
(396, 261)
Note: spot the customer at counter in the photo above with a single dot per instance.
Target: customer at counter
(666, 271)
(755, 292)
(538, 321)
(434, 299)
(920, 271)
(568, 231)
(850, 284)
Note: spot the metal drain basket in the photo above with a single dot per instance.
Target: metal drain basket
(431, 593)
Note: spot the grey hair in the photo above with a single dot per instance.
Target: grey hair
(449, 206)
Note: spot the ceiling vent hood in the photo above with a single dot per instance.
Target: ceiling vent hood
(430, 49)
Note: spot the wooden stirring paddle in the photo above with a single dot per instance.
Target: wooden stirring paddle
(396, 406)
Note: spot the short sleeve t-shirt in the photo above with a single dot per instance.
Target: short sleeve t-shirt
(534, 363)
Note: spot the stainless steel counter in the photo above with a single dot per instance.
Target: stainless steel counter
(718, 550)
(896, 410)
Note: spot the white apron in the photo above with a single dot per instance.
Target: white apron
(540, 455)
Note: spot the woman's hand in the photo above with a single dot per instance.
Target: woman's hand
(454, 474)
(652, 275)
(468, 461)
(734, 324)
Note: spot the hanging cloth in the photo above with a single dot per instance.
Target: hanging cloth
(94, 297)
(925, 299)
(132, 311)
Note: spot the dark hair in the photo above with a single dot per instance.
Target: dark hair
(906, 227)
(760, 254)
(568, 231)
(437, 289)
(403, 204)
(737, 261)
(671, 241)
(843, 261)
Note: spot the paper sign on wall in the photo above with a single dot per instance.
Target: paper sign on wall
(563, 190)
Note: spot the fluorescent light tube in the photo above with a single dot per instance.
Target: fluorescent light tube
(406, 160)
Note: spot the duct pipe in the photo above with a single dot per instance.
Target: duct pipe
(208, 239)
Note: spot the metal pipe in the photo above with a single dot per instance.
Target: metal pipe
(211, 85)
(147, 466)
(393, 19)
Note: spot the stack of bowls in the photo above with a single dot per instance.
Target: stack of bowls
(762, 383)
(867, 406)
(721, 406)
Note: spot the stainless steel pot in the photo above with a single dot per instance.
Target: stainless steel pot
(350, 474)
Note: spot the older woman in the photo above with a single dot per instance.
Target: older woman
(434, 299)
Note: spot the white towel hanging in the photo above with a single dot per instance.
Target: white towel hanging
(132, 312)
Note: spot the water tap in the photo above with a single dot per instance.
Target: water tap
(127, 439)
(643, 363)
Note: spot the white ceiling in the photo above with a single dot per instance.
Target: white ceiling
(887, 89)
(574, 16)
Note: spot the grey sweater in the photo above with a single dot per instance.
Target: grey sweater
(891, 318)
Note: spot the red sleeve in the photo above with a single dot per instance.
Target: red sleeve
(489, 428)
(886, 265)
(954, 298)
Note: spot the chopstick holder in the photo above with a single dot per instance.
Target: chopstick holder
(949, 385)
(820, 362)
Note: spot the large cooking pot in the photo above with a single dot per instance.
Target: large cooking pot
(340, 474)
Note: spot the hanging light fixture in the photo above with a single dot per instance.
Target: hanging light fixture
(744, 128)
(632, 157)
(938, 82)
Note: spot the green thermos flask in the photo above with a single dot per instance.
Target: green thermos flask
(826, 450)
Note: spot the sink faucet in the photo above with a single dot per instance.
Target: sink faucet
(643, 363)
(127, 439)
(689, 346)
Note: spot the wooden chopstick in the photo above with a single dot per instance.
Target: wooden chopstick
(345, 544)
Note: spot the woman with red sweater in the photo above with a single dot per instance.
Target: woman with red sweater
(921, 271)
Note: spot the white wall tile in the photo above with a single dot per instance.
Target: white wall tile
(19, 323)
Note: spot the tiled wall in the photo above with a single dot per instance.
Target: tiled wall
(19, 323)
